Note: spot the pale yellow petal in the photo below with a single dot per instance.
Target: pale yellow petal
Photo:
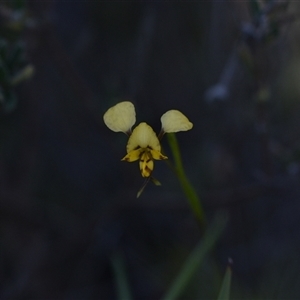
(174, 121)
(143, 136)
(121, 117)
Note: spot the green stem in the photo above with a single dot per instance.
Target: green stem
(187, 187)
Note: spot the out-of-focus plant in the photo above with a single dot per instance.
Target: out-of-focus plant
(197, 257)
(224, 293)
(265, 25)
(123, 288)
(267, 18)
(14, 67)
(189, 268)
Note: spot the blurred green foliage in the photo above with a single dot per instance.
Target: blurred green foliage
(14, 67)
(224, 293)
(196, 258)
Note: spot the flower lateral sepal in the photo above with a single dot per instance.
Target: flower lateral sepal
(133, 155)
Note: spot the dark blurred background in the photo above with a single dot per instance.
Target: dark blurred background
(68, 204)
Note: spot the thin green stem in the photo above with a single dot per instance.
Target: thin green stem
(188, 189)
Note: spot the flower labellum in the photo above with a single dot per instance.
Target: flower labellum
(144, 145)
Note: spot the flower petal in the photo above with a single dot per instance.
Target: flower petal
(133, 155)
(120, 117)
(143, 136)
(174, 121)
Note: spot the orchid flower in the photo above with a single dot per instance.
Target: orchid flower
(143, 143)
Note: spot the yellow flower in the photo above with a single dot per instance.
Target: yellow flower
(143, 143)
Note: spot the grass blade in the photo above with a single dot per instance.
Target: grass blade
(225, 288)
(123, 289)
(197, 256)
